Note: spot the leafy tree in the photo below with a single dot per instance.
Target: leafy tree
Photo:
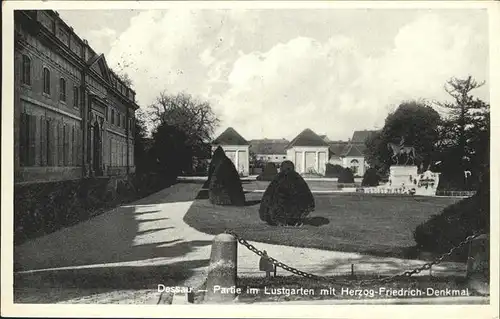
(171, 150)
(193, 117)
(414, 121)
(143, 161)
(464, 134)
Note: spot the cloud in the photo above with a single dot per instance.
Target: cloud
(267, 79)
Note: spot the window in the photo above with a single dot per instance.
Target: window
(46, 81)
(26, 70)
(62, 90)
(112, 116)
(118, 119)
(76, 96)
(354, 166)
(107, 117)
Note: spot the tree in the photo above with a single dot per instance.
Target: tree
(464, 134)
(125, 78)
(190, 115)
(143, 161)
(171, 150)
(269, 173)
(413, 121)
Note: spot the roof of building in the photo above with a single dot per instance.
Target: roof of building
(230, 137)
(361, 136)
(355, 150)
(307, 138)
(337, 147)
(269, 146)
(325, 138)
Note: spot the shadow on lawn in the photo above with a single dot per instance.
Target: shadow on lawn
(203, 194)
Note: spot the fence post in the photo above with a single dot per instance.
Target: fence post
(221, 279)
(478, 265)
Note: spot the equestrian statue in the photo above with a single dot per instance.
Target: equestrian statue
(401, 149)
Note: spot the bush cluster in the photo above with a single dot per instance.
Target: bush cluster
(287, 166)
(269, 173)
(333, 170)
(457, 221)
(287, 200)
(346, 176)
(371, 178)
(224, 181)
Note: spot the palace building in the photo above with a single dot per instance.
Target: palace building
(74, 117)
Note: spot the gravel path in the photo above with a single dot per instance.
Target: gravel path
(122, 255)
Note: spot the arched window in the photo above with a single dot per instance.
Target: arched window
(46, 81)
(26, 70)
(354, 166)
(62, 89)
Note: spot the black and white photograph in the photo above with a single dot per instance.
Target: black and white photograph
(177, 155)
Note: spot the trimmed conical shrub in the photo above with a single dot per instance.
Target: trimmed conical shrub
(218, 155)
(346, 176)
(371, 178)
(287, 200)
(287, 166)
(225, 184)
(269, 173)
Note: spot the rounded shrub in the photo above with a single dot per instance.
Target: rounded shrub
(216, 157)
(346, 176)
(333, 170)
(287, 166)
(269, 172)
(287, 200)
(371, 178)
(225, 184)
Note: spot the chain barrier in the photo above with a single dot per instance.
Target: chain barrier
(405, 274)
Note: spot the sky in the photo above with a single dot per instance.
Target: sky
(270, 73)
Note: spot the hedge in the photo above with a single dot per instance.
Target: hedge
(287, 200)
(225, 185)
(269, 173)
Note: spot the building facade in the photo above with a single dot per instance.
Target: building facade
(308, 152)
(269, 150)
(73, 116)
(236, 148)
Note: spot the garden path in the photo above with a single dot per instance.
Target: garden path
(122, 255)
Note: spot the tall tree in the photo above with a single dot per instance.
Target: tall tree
(462, 114)
(171, 150)
(414, 121)
(192, 116)
(464, 134)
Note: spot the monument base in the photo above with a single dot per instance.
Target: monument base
(406, 180)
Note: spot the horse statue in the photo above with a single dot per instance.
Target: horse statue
(400, 149)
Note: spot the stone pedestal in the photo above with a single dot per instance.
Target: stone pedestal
(403, 176)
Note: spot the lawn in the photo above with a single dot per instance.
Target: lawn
(364, 223)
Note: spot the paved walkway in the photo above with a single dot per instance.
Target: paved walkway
(122, 255)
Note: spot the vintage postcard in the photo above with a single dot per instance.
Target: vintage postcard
(229, 159)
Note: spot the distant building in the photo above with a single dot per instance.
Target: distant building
(269, 150)
(308, 151)
(73, 117)
(236, 148)
(353, 155)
